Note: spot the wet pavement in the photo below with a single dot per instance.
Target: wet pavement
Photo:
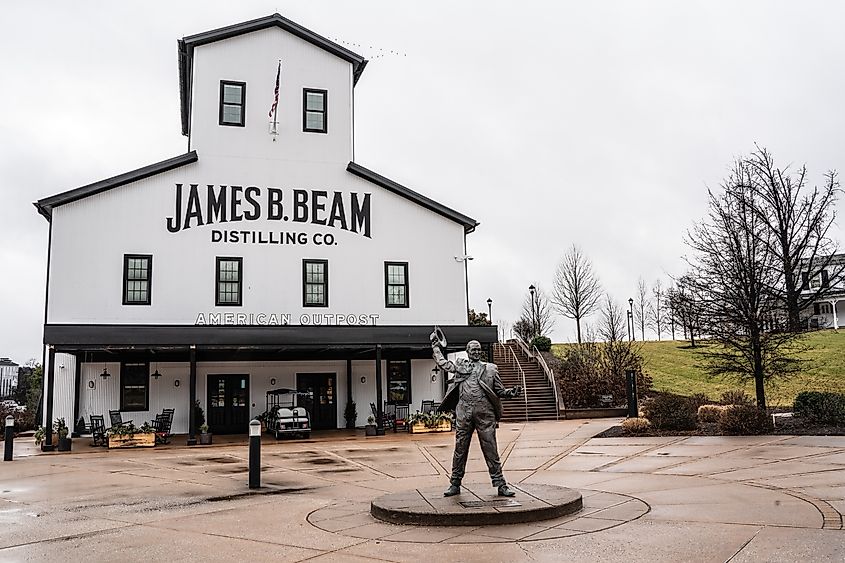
(762, 498)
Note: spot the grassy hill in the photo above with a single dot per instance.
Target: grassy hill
(676, 368)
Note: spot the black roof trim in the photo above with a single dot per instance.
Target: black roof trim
(186, 51)
(45, 206)
(468, 222)
(72, 336)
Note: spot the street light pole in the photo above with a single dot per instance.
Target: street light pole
(631, 335)
(531, 290)
(490, 310)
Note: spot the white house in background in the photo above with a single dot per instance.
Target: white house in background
(264, 257)
(8, 375)
(829, 311)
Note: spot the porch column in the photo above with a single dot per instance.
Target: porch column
(47, 446)
(76, 393)
(349, 386)
(833, 303)
(192, 398)
(379, 405)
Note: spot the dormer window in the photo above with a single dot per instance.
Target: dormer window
(315, 111)
(232, 103)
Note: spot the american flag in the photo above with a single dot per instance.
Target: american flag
(276, 95)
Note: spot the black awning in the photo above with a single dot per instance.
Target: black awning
(81, 337)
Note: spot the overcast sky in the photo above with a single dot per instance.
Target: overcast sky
(595, 123)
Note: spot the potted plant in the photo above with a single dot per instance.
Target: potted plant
(205, 435)
(62, 431)
(370, 428)
(39, 435)
(350, 413)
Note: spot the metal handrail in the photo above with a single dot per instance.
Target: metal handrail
(523, 345)
(522, 375)
(550, 376)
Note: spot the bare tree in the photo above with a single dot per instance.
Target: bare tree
(656, 307)
(685, 308)
(538, 312)
(735, 272)
(612, 326)
(641, 304)
(575, 290)
(796, 220)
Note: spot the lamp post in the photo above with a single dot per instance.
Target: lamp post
(532, 289)
(631, 335)
(490, 310)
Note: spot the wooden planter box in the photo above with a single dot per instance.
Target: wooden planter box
(420, 428)
(139, 440)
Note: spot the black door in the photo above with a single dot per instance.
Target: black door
(320, 398)
(228, 404)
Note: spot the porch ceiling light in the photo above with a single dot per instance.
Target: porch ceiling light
(105, 373)
(156, 374)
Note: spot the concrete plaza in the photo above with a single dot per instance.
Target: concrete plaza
(766, 498)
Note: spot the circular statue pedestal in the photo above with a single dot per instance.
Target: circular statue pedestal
(477, 505)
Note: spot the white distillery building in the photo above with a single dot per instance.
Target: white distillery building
(829, 310)
(264, 257)
(8, 376)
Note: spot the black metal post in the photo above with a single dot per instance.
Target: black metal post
(490, 310)
(631, 391)
(254, 454)
(631, 314)
(349, 387)
(192, 399)
(48, 445)
(9, 437)
(78, 374)
(379, 405)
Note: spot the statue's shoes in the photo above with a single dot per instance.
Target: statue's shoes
(504, 491)
(452, 491)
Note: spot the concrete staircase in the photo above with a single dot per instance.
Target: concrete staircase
(538, 391)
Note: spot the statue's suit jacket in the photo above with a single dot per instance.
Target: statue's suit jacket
(489, 382)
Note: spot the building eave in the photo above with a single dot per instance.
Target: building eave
(187, 44)
(468, 223)
(45, 206)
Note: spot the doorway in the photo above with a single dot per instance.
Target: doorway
(228, 404)
(320, 399)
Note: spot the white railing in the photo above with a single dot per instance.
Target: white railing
(534, 354)
(512, 359)
(551, 378)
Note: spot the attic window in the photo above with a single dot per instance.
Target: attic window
(315, 112)
(232, 103)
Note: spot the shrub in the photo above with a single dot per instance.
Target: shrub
(670, 412)
(636, 425)
(709, 413)
(823, 407)
(743, 419)
(24, 420)
(543, 343)
(699, 399)
(736, 397)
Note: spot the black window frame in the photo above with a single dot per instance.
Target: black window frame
(240, 261)
(408, 376)
(387, 286)
(242, 123)
(149, 280)
(305, 110)
(146, 383)
(325, 263)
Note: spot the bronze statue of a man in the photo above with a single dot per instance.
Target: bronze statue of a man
(474, 394)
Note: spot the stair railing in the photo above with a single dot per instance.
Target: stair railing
(551, 378)
(522, 376)
(523, 346)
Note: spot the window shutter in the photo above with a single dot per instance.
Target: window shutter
(816, 309)
(825, 279)
(805, 280)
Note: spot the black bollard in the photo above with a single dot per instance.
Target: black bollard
(254, 454)
(631, 391)
(9, 437)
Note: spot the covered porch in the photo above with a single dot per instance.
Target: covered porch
(141, 370)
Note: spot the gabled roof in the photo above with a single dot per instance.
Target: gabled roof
(187, 44)
(468, 222)
(45, 206)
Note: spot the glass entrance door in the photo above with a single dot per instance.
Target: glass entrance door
(319, 399)
(228, 404)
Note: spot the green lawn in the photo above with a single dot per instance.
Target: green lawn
(676, 368)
